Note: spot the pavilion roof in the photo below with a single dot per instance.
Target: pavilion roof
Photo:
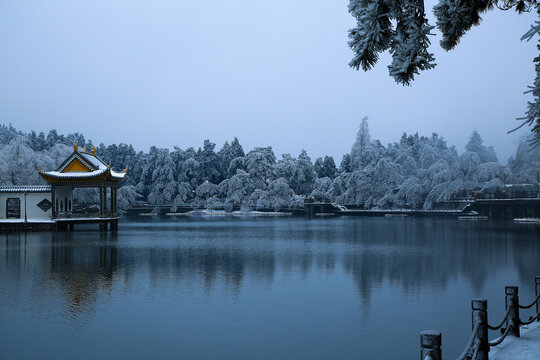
(83, 166)
(91, 161)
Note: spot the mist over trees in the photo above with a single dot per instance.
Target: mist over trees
(415, 172)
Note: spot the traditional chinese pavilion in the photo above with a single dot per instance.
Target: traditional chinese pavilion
(83, 169)
(53, 204)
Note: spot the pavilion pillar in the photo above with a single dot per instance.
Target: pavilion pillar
(101, 211)
(115, 198)
(112, 202)
(105, 201)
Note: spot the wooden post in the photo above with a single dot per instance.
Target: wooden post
(512, 300)
(536, 292)
(430, 345)
(479, 314)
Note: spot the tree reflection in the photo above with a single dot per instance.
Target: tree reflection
(412, 254)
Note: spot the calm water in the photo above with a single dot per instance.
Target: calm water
(257, 288)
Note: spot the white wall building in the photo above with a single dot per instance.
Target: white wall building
(26, 203)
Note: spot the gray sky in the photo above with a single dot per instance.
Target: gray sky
(270, 72)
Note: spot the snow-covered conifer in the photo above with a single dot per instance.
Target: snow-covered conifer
(260, 163)
(362, 147)
(374, 33)
(475, 144)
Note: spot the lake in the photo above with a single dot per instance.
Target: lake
(257, 287)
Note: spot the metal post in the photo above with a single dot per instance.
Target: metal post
(430, 345)
(536, 292)
(512, 299)
(479, 314)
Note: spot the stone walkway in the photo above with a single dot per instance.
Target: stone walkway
(526, 347)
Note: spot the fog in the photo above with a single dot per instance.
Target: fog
(269, 72)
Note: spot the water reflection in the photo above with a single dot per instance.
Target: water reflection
(213, 258)
(82, 272)
(409, 253)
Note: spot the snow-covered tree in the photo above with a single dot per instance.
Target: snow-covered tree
(127, 196)
(227, 154)
(361, 151)
(18, 161)
(206, 190)
(416, 172)
(119, 156)
(299, 173)
(209, 162)
(321, 190)
(238, 163)
(374, 33)
(238, 188)
(157, 179)
(408, 41)
(279, 196)
(532, 116)
(260, 163)
(185, 195)
(190, 172)
(325, 168)
(475, 144)
(345, 166)
(525, 165)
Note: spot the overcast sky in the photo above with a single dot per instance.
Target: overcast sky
(269, 72)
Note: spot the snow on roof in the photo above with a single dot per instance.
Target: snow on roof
(90, 161)
(93, 160)
(84, 174)
(72, 158)
(119, 175)
(24, 188)
(75, 174)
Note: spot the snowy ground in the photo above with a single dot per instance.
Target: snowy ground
(21, 221)
(527, 347)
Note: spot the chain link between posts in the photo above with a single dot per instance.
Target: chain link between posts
(503, 336)
(467, 349)
(531, 304)
(496, 327)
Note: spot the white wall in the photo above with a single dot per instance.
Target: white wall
(33, 212)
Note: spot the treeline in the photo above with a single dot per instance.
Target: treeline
(415, 172)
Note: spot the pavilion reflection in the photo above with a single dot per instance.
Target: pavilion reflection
(83, 273)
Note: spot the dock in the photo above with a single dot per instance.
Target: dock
(505, 209)
(61, 224)
(313, 208)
